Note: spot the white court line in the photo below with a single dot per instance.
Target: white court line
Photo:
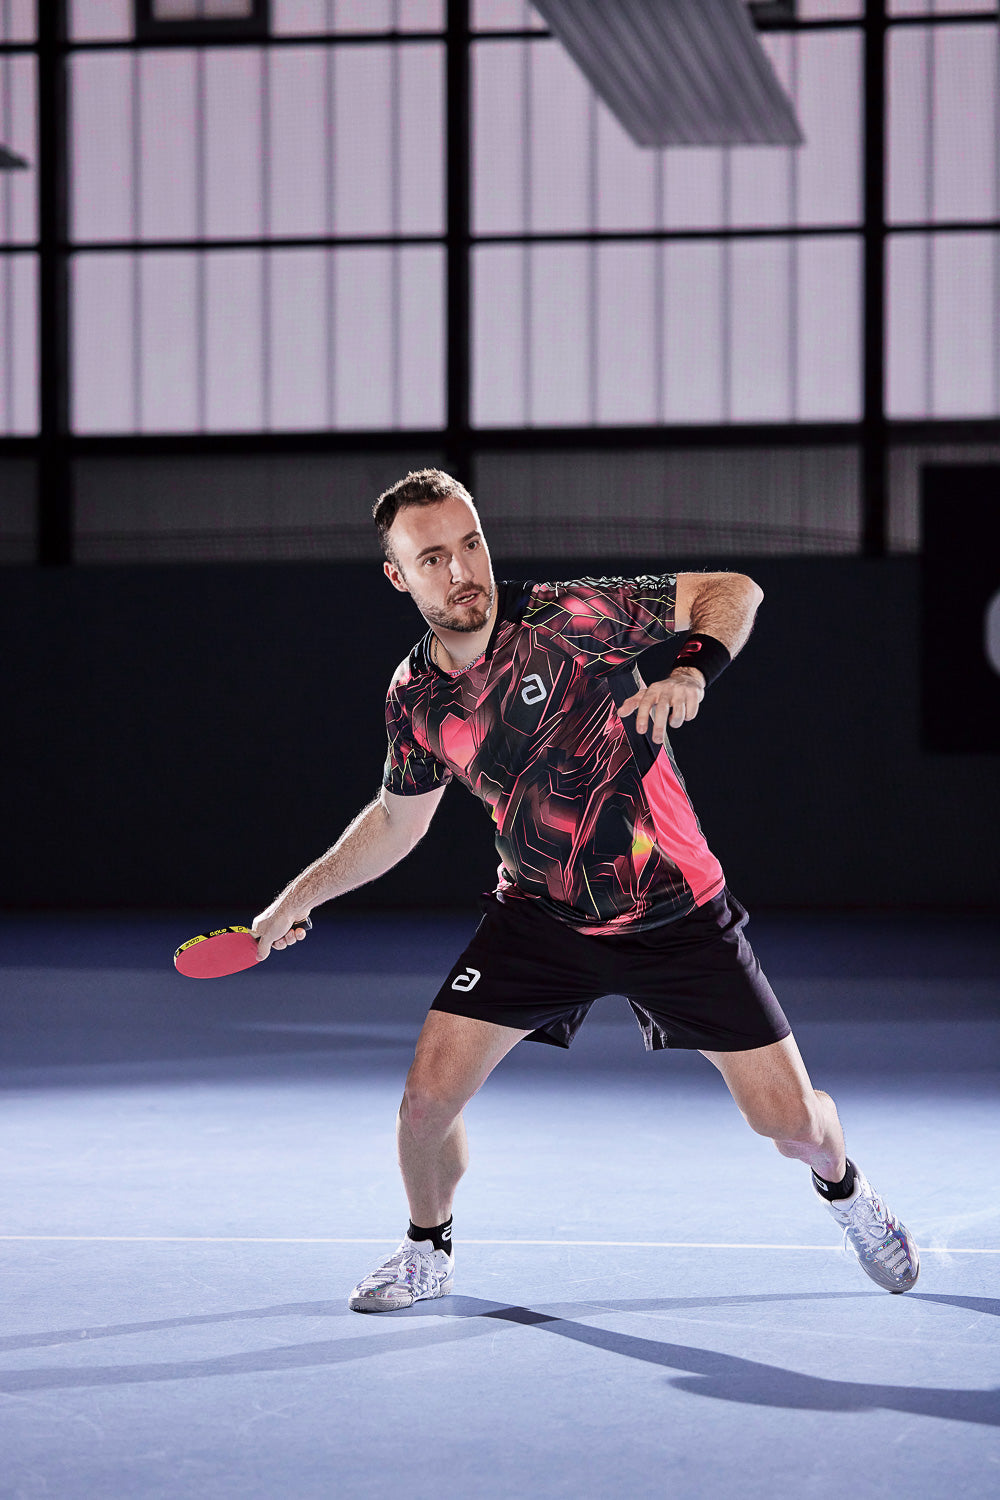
(247, 1239)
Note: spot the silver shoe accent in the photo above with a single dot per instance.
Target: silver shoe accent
(884, 1247)
(416, 1271)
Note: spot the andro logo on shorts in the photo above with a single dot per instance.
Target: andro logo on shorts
(534, 689)
(466, 981)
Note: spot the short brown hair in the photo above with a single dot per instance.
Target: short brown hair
(420, 487)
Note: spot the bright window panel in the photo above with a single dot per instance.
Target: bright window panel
(627, 357)
(505, 15)
(828, 100)
(562, 132)
(17, 21)
(681, 332)
(936, 7)
(170, 297)
(169, 144)
(828, 10)
(694, 322)
(499, 336)
(942, 106)
(18, 345)
(421, 379)
(100, 20)
(761, 330)
(828, 329)
(235, 353)
(500, 95)
(19, 189)
(561, 334)
(102, 146)
(549, 157)
(103, 364)
(295, 17)
(230, 341)
(302, 143)
(943, 312)
(234, 179)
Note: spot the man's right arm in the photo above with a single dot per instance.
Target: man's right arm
(380, 836)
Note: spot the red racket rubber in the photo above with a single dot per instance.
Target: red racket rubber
(212, 955)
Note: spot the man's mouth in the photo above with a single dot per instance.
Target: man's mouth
(468, 597)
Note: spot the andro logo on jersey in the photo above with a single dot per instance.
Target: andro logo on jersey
(466, 980)
(534, 689)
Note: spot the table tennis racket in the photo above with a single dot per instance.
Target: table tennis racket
(227, 950)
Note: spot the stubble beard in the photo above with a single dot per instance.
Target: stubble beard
(465, 621)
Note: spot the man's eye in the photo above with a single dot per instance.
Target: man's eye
(473, 544)
(429, 562)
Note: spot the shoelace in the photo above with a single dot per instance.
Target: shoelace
(872, 1223)
(408, 1266)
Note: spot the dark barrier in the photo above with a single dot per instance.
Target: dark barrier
(192, 736)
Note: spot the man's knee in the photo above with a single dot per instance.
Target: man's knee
(791, 1116)
(429, 1105)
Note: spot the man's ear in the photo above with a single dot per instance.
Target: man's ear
(395, 577)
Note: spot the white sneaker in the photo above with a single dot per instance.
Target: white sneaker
(884, 1246)
(416, 1271)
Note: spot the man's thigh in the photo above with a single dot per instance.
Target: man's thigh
(456, 1054)
(764, 1076)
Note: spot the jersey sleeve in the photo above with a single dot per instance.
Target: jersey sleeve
(410, 768)
(606, 621)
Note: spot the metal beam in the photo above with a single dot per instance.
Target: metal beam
(458, 244)
(55, 506)
(874, 464)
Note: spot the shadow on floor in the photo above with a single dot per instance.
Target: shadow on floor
(703, 1372)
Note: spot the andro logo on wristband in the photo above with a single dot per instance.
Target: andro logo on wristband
(705, 653)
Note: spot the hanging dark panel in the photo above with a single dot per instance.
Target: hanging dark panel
(677, 72)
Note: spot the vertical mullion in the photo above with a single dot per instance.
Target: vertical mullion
(266, 289)
(6, 216)
(593, 293)
(726, 290)
(874, 492)
(930, 209)
(527, 224)
(55, 500)
(996, 215)
(135, 258)
(458, 440)
(395, 226)
(793, 246)
(330, 188)
(659, 251)
(201, 222)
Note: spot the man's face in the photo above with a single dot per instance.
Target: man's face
(444, 563)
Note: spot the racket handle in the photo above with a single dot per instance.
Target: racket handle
(304, 923)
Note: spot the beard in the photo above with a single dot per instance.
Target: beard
(464, 620)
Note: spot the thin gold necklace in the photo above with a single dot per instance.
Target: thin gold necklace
(452, 672)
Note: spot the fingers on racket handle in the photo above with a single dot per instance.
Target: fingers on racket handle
(304, 923)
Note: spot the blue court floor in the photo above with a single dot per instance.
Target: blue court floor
(649, 1301)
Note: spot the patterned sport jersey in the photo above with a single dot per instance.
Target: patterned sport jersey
(592, 819)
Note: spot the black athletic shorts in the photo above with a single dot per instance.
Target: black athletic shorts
(691, 983)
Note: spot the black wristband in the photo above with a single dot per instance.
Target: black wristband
(706, 654)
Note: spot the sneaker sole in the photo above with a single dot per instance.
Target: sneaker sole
(375, 1304)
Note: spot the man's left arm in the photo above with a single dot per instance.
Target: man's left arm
(720, 609)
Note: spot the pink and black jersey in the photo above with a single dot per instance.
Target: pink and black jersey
(592, 819)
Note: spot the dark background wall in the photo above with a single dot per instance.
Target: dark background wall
(192, 736)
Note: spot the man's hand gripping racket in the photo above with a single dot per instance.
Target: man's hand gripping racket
(227, 950)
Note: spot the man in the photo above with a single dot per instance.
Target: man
(529, 695)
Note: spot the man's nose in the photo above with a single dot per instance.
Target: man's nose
(461, 568)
